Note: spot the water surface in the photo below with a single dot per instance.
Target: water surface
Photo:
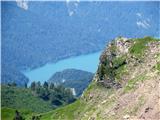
(83, 62)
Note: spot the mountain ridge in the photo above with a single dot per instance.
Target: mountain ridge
(132, 99)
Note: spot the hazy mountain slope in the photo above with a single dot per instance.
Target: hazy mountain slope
(49, 31)
(124, 87)
(12, 75)
(73, 78)
(45, 32)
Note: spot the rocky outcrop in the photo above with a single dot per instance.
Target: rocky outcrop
(120, 55)
(107, 67)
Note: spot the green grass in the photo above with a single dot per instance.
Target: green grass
(68, 112)
(158, 66)
(120, 72)
(140, 45)
(132, 83)
(120, 67)
(21, 98)
(9, 113)
(92, 86)
(118, 61)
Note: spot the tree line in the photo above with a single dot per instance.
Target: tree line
(57, 94)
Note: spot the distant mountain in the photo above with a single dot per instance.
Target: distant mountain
(12, 75)
(72, 78)
(36, 33)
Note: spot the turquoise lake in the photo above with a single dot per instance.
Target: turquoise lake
(83, 62)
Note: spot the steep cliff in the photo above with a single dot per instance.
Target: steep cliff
(125, 85)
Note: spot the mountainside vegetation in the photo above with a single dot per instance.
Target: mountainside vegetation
(10, 114)
(25, 102)
(131, 95)
(72, 78)
(23, 98)
(57, 95)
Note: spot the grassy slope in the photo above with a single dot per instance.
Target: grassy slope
(97, 101)
(20, 98)
(84, 105)
(138, 49)
(9, 113)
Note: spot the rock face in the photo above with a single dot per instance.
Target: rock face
(113, 58)
(125, 86)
